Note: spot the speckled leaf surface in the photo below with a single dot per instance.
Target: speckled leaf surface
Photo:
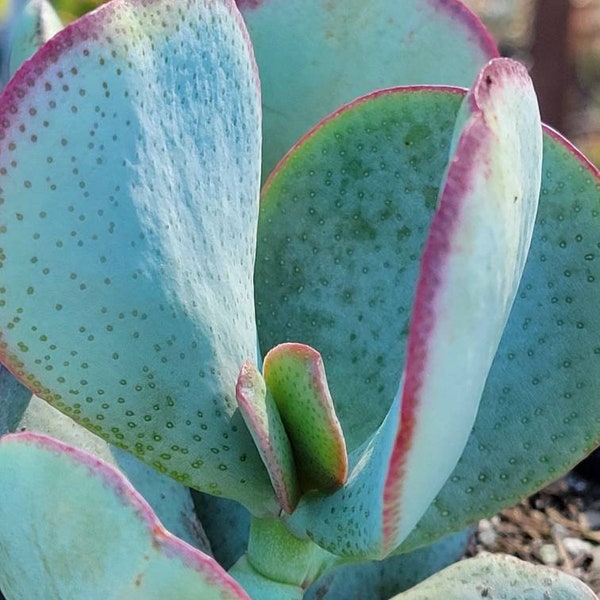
(339, 245)
(349, 522)
(470, 271)
(540, 412)
(128, 233)
(340, 239)
(499, 577)
(315, 55)
(89, 534)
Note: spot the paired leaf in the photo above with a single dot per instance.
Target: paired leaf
(291, 417)
(316, 55)
(339, 243)
(295, 376)
(88, 533)
(342, 226)
(470, 270)
(539, 412)
(268, 432)
(129, 175)
(499, 576)
(338, 250)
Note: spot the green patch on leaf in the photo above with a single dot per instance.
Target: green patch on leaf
(295, 376)
(341, 234)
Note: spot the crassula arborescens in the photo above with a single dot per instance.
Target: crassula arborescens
(419, 274)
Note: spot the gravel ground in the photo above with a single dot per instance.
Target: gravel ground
(558, 527)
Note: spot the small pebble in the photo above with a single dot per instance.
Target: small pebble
(487, 533)
(577, 547)
(549, 555)
(592, 518)
(560, 530)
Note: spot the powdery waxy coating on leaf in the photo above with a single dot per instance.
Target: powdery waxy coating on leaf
(539, 411)
(114, 547)
(453, 10)
(483, 225)
(129, 178)
(328, 212)
(316, 55)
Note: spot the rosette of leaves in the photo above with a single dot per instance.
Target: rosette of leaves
(419, 273)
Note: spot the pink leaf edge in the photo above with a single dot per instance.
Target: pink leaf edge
(472, 23)
(472, 143)
(348, 106)
(287, 496)
(86, 29)
(586, 163)
(319, 383)
(170, 545)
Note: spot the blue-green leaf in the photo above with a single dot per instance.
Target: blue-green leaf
(129, 176)
(470, 271)
(171, 501)
(73, 527)
(499, 576)
(316, 55)
(539, 414)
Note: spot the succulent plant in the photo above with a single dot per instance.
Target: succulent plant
(394, 338)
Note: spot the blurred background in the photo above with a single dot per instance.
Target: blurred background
(559, 40)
